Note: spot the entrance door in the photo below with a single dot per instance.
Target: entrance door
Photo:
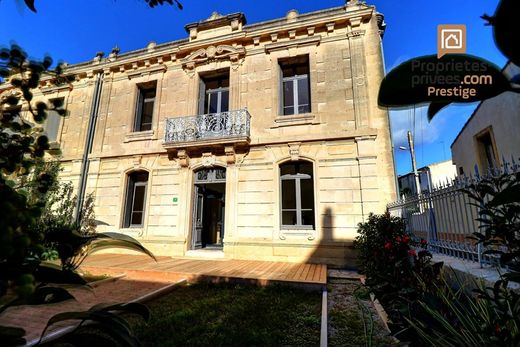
(208, 208)
(197, 217)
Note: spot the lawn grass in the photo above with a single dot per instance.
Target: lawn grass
(207, 314)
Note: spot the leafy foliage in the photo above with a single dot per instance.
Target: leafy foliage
(395, 271)
(152, 3)
(30, 195)
(22, 146)
(489, 317)
(505, 25)
(499, 218)
(106, 327)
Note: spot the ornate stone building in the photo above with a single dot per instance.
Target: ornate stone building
(256, 141)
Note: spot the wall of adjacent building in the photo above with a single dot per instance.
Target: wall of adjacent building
(501, 114)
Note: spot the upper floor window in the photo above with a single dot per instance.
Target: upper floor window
(52, 123)
(135, 199)
(295, 88)
(145, 106)
(297, 194)
(214, 93)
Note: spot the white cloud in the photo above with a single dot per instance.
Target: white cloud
(425, 133)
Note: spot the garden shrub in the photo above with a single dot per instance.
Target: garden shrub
(398, 270)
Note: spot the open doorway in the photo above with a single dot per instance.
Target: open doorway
(209, 209)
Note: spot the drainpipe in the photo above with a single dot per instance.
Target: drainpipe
(85, 162)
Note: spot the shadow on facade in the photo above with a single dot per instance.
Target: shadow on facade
(331, 251)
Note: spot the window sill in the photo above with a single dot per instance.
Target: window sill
(54, 146)
(296, 119)
(140, 136)
(299, 231)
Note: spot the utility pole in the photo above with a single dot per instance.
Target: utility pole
(414, 164)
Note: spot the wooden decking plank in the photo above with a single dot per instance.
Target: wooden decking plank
(254, 270)
(287, 270)
(294, 272)
(238, 270)
(312, 271)
(268, 272)
(264, 271)
(323, 278)
(280, 271)
(304, 273)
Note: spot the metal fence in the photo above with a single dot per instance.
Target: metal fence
(446, 216)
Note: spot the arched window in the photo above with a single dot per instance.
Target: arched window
(297, 195)
(135, 199)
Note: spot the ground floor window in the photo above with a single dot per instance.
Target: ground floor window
(297, 195)
(135, 199)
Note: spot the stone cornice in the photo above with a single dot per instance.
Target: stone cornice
(176, 52)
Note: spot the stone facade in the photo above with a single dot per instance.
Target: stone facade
(344, 135)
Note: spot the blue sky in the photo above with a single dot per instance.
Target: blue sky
(75, 30)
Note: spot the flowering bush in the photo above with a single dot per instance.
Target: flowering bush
(397, 268)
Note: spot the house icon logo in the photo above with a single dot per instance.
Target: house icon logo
(451, 38)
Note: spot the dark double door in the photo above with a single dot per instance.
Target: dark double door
(209, 210)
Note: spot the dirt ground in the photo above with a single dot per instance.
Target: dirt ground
(353, 320)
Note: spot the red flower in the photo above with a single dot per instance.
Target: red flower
(388, 246)
(497, 328)
(406, 239)
(398, 238)
(412, 252)
(423, 242)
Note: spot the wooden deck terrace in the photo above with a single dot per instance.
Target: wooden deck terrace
(166, 269)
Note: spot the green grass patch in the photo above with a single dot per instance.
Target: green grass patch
(233, 315)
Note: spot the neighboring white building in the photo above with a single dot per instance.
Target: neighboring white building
(491, 134)
(430, 176)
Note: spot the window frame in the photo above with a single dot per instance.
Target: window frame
(205, 93)
(296, 80)
(141, 101)
(297, 178)
(131, 185)
(58, 128)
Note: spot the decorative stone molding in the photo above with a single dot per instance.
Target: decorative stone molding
(230, 154)
(256, 40)
(274, 37)
(294, 150)
(184, 158)
(234, 21)
(208, 159)
(310, 31)
(212, 53)
(136, 161)
(330, 27)
(140, 136)
(355, 33)
(306, 41)
(146, 71)
(10, 93)
(292, 34)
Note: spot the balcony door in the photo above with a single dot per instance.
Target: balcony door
(214, 94)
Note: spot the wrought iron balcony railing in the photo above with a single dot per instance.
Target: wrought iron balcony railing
(223, 125)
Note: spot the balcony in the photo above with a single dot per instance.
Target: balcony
(232, 127)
